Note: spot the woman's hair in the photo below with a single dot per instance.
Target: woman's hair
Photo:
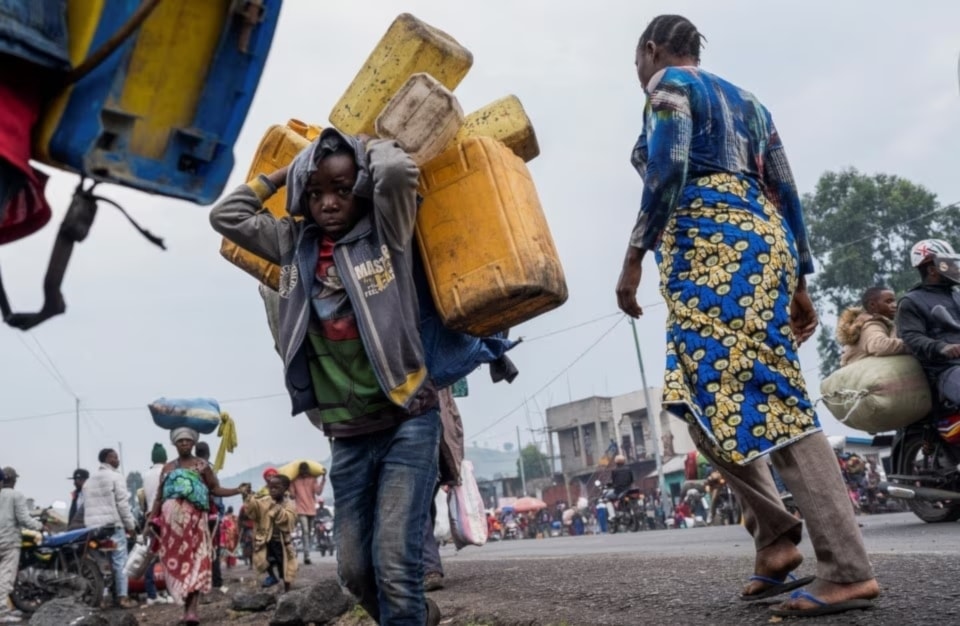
(675, 33)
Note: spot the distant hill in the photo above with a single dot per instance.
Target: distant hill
(490, 463)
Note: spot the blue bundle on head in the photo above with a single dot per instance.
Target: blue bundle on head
(199, 414)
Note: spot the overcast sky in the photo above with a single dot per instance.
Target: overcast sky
(866, 84)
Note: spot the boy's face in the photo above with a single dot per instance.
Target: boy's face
(330, 195)
(276, 488)
(884, 304)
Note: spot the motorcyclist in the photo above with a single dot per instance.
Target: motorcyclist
(323, 513)
(928, 316)
(621, 478)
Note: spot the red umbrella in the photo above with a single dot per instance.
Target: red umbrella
(528, 504)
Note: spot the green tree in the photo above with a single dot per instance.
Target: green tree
(535, 463)
(861, 230)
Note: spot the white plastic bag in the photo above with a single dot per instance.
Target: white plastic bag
(441, 524)
(468, 520)
(139, 559)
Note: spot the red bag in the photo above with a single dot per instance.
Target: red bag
(27, 210)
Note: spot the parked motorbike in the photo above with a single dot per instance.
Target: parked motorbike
(59, 565)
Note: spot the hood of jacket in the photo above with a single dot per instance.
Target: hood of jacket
(305, 164)
(851, 323)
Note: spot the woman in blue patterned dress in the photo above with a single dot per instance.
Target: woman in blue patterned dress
(720, 210)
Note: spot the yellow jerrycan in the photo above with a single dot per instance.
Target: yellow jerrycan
(408, 47)
(486, 247)
(279, 146)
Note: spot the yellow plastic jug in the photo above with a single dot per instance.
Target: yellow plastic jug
(279, 146)
(487, 250)
(409, 46)
(505, 120)
(424, 116)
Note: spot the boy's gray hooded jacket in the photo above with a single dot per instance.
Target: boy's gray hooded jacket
(374, 261)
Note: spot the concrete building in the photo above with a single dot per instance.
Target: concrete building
(586, 434)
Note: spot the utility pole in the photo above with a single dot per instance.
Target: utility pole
(77, 404)
(523, 477)
(654, 419)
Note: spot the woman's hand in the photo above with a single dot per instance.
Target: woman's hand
(803, 317)
(630, 281)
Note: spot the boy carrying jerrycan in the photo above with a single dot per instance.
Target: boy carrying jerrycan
(349, 334)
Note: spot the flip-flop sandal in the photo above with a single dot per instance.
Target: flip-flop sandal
(822, 607)
(783, 585)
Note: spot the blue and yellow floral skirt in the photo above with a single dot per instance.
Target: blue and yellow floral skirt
(728, 271)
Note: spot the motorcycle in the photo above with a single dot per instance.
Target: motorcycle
(925, 464)
(925, 468)
(624, 511)
(324, 535)
(59, 565)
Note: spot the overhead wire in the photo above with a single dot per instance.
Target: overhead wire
(59, 374)
(46, 367)
(552, 380)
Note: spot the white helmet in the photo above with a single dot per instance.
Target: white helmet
(924, 251)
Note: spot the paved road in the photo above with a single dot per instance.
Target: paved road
(898, 533)
(675, 578)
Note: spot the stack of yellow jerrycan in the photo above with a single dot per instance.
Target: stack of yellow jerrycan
(163, 112)
(277, 149)
(487, 250)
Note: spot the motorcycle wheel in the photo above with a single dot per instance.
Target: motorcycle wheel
(27, 597)
(635, 513)
(917, 464)
(89, 571)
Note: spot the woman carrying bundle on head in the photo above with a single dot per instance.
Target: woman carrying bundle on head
(179, 521)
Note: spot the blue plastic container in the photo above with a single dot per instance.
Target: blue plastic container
(163, 112)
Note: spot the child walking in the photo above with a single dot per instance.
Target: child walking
(349, 336)
(274, 517)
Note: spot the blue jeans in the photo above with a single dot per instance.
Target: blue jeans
(149, 583)
(383, 484)
(118, 560)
